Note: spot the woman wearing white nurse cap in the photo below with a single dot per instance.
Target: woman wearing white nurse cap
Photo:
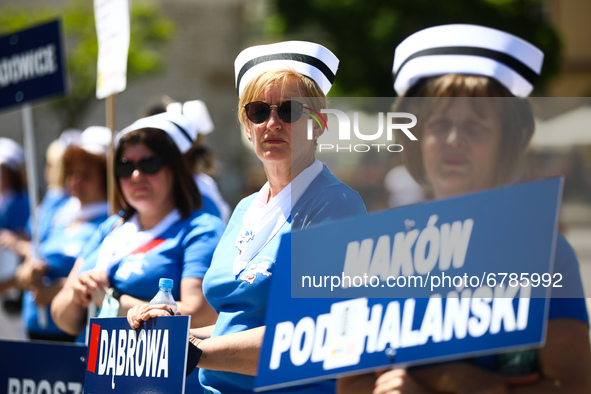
(182, 123)
(196, 113)
(176, 125)
(467, 49)
(472, 137)
(12, 154)
(200, 158)
(95, 139)
(307, 58)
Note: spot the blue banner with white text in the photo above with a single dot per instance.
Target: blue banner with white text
(32, 64)
(477, 246)
(41, 367)
(149, 359)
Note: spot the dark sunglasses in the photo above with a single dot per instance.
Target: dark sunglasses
(148, 165)
(289, 111)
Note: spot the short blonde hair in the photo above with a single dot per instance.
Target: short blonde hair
(309, 89)
(517, 120)
(53, 158)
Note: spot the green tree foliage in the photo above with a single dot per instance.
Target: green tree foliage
(149, 31)
(364, 33)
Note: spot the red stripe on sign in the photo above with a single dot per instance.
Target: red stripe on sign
(93, 347)
(147, 247)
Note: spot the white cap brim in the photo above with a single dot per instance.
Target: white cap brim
(196, 113)
(307, 58)
(175, 125)
(12, 154)
(95, 139)
(467, 49)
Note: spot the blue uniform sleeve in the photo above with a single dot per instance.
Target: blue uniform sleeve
(46, 210)
(89, 252)
(337, 202)
(200, 243)
(209, 206)
(16, 215)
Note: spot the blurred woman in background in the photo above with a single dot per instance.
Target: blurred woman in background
(279, 92)
(43, 274)
(200, 158)
(473, 138)
(159, 231)
(14, 205)
(55, 196)
(14, 213)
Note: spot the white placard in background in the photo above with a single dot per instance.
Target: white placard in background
(112, 27)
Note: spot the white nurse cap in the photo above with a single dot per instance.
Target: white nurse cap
(467, 49)
(307, 58)
(69, 137)
(196, 113)
(12, 154)
(176, 125)
(95, 139)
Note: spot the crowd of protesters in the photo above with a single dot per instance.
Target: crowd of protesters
(170, 220)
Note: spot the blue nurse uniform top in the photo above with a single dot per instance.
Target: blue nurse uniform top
(241, 300)
(53, 200)
(14, 211)
(184, 250)
(59, 250)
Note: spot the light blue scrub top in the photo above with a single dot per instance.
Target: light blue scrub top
(241, 300)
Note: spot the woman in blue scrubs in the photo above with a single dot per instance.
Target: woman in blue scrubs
(300, 192)
(14, 213)
(466, 146)
(159, 232)
(84, 167)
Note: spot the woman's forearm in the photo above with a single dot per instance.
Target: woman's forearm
(358, 384)
(238, 352)
(202, 332)
(45, 294)
(194, 304)
(67, 314)
(565, 359)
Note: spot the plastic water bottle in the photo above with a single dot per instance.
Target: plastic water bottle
(164, 295)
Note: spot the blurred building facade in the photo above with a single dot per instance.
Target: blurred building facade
(572, 20)
(199, 65)
(208, 36)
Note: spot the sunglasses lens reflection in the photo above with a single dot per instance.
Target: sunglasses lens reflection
(289, 111)
(258, 111)
(148, 165)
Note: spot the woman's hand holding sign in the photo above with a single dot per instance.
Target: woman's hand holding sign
(145, 312)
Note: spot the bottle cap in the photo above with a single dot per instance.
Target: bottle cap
(166, 283)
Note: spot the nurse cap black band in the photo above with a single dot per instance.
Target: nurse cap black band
(181, 121)
(467, 49)
(175, 125)
(307, 58)
(196, 113)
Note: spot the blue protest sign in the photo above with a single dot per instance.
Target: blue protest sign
(494, 236)
(424, 249)
(149, 359)
(41, 367)
(31, 64)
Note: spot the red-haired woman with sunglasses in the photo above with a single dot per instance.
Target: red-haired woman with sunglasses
(160, 231)
(281, 87)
